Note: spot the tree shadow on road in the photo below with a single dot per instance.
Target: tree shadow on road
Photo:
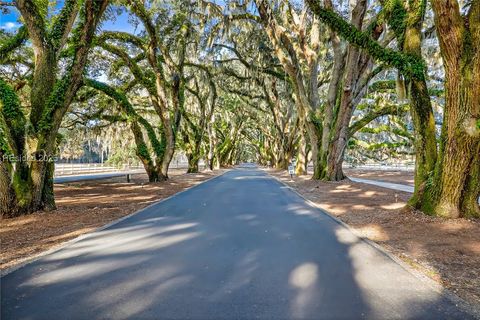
(446, 250)
(248, 249)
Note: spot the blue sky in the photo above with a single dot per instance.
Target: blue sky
(9, 22)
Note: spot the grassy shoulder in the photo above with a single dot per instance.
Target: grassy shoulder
(447, 251)
(84, 206)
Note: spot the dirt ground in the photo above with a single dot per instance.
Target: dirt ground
(82, 207)
(447, 251)
(402, 177)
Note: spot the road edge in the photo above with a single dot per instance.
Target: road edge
(40, 255)
(459, 302)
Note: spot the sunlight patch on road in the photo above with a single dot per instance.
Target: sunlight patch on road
(304, 279)
(345, 236)
(251, 178)
(122, 241)
(245, 217)
(304, 275)
(378, 278)
(83, 271)
(302, 210)
(132, 297)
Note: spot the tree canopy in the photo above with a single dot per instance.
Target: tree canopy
(321, 82)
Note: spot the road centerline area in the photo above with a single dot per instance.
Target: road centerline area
(239, 246)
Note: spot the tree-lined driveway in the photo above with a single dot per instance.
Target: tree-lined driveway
(239, 246)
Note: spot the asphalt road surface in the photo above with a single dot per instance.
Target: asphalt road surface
(241, 246)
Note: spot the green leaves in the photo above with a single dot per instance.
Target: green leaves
(128, 109)
(409, 65)
(158, 146)
(396, 18)
(12, 120)
(12, 43)
(62, 21)
(10, 104)
(55, 101)
(4, 147)
(382, 85)
(123, 37)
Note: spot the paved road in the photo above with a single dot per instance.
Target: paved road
(239, 246)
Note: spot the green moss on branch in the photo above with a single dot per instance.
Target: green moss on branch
(55, 101)
(11, 43)
(409, 65)
(62, 21)
(12, 120)
(122, 100)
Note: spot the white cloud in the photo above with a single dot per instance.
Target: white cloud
(9, 25)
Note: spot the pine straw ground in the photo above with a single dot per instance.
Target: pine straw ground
(82, 207)
(447, 251)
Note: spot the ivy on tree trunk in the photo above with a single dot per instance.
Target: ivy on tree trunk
(27, 169)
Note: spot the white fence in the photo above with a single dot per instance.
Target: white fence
(382, 166)
(65, 169)
(375, 166)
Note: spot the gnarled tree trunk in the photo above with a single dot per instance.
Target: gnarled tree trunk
(27, 179)
(455, 182)
(192, 163)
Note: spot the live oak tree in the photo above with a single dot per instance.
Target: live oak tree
(28, 131)
(299, 46)
(198, 115)
(250, 70)
(406, 21)
(406, 24)
(254, 80)
(294, 36)
(159, 63)
(151, 153)
(261, 86)
(297, 43)
(447, 185)
(455, 183)
(384, 138)
(352, 82)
